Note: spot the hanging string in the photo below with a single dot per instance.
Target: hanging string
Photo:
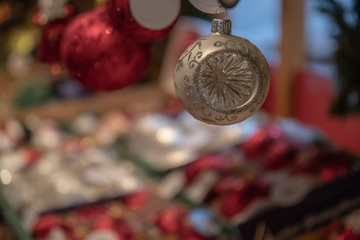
(217, 13)
(225, 4)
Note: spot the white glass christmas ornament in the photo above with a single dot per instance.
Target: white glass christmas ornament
(222, 79)
(207, 6)
(155, 14)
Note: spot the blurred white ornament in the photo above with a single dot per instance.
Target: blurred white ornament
(207, 6)
(155, 14)
(51, 10)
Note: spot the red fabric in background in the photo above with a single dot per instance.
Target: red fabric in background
(269, 104)
(313, 96)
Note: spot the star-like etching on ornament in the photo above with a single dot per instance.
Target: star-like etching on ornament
(225, 80)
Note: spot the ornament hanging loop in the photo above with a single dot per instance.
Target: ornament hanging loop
(217, 14)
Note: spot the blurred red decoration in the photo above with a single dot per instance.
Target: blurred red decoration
(279, 154)
(55, 68)
(230, 183)
(48, 50)
(124, 230)
(348, 234)
(121, 18)
(91, 211)
(174, 221)
(49, 47)
(32, 156)
(136, 201)
(104, 221)
(330, 173)
(45, 224)
(235, 201)
(321, 161)
(171, 220)
(100, 57)
(331, 230)
(216, 162)
(257, 144)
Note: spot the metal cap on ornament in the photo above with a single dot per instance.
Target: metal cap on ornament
(222, 26)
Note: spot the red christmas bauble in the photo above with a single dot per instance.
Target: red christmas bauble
(122, 18)
(100, 57)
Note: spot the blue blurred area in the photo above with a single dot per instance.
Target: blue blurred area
(260, 22)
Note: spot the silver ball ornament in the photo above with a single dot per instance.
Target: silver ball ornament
(222, 79)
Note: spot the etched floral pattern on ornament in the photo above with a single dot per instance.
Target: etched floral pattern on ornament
(225, 80)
